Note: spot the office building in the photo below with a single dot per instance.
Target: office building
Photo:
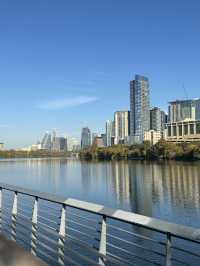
(181, 110)
(94, 135)
(59, 144)
(152, 136)
(122, 126)
(98, 142)
(103, 136)
(183, 131)
(109, 132)
(46, 141)
(164, 119)
(72, 144)
(139, 108)
(85, 138)
(63, 144)
(158, 120)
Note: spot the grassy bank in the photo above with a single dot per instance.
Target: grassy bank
(161, 151)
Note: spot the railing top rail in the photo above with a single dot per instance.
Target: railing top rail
(181, 231)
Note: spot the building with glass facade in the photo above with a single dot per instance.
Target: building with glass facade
(181, 110)
(139, 108)
(85, 138)
(109, 132)
(158, 120)
(46, 141)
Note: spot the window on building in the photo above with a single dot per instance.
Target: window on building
(192, 129)
(174, 131)
(180, 131)
(169, 131)
(185, 129)
(198, 128)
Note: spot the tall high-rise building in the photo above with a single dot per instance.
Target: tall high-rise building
(139, 108)
(46, 141)
(158, 119)
(109, 132)
(122, 126)
(85, 138)
(181, 110)
(155, 119)
(164, 118)
(103, 136)
(63, 144)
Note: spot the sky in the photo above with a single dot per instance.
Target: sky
(66, 64)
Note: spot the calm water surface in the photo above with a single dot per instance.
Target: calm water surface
(169, 190)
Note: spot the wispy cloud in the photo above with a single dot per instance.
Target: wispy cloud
(67, 102)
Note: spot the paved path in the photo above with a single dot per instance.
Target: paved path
(13, 255)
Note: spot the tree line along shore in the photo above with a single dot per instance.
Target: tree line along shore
(160, 151)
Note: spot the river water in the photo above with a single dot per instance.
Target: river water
(166, 190)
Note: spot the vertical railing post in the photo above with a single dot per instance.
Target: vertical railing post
(14, 218)
(61, 240)
(34, 228)
(102, 245)
(0, 209)
(168, 250)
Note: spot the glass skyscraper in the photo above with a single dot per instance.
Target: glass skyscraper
(139, 108)
(85, 138)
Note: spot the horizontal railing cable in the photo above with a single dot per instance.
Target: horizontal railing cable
(83, 233)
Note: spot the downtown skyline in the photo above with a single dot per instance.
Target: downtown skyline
(62, 71)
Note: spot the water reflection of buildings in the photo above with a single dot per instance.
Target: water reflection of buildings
(121, 182)
(178, 183)
(47, 173)
(168, 190)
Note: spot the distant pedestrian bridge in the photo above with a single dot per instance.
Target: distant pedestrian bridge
(39, 229)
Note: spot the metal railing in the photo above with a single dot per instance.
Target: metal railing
(71, 232)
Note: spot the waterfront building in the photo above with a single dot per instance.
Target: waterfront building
(158, 120)
(98, 142)
(85, 138)
(109, 133)
(181, 110)
(155, 119)
(103, 136)
(164, 118)
(63, 144)
(152, 136)
(36, 147)
(122, 126)
(94, 135)
(59, 144)
(139, 108)
(72, 144)
(46, 141)
(183, 131)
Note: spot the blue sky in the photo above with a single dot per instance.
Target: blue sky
(66, 64)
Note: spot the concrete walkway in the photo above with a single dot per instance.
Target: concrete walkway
(13, 255)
